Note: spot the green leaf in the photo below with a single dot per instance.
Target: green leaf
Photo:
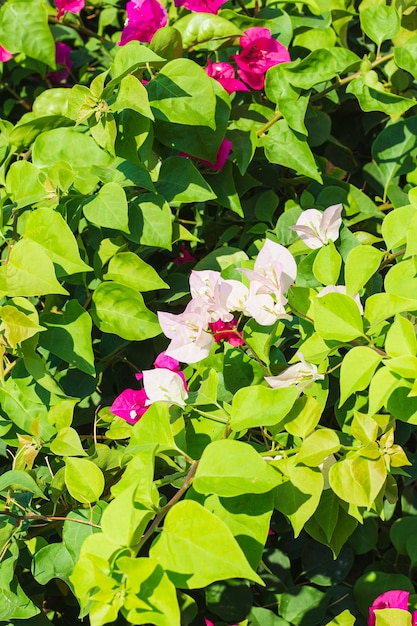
(121, 310)
(395, 226)
(150, 595)
(48, 228)
(337, 317)
(20, 276)
(67, 443)
(401, 338)
(125, 519)
(231, 468)
(261, 406)
(128, 59)
(299, 495)
(358, 368)
(15, 604)
(50, 562)
(17, 480)
(317, 446)
(182, 93)
(206, 29)
(150, 222)
(23, 184)
(196, 548)
(319, 66)
(380, 22)
(358, 480)
(373, 583)
(57, 145)
(394, 151)
(372, 97)
(154, 428)
(247, 516)
(361, 263)
(167, 42)
(17, 326)
(180, 181)
(327, 264)
(69, 336)
(129, 269)
(300, 601)
(304, 416)
(24, 28)
(382, 306)
(285, 147)
(132, 95)
(406, 56)
(75, 531)
(108, 208)
(83, 479)
(392, 617)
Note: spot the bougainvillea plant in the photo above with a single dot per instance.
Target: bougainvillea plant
(208, 305)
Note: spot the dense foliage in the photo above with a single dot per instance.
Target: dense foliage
(208, 311)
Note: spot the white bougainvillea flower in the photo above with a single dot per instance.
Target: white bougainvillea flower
(274, 271)
(302, 374)
(341, 289)
(217, 296)
(264, 309)
(163, 385)
(316, 228)
(190, 341)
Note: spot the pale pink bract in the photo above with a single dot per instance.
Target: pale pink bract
(260, 51)
(224, 73)
(317, 228)
(70, 6)
(144, 18)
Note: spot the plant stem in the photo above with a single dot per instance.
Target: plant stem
(321, 94)
(80, 28)
(158, 519)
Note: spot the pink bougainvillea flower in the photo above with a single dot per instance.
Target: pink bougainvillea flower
(222, 156)
(224, 73)
(226, 331)
(260, 51)
(184, 257)
(396, 599)
(130, 405)
(200, 6)
(71, 6)
(5, 55)
(62, 57)
(163, 360)
(316, 228)
(144, 18)
(302, 374)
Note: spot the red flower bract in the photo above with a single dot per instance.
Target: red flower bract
(226, 331)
